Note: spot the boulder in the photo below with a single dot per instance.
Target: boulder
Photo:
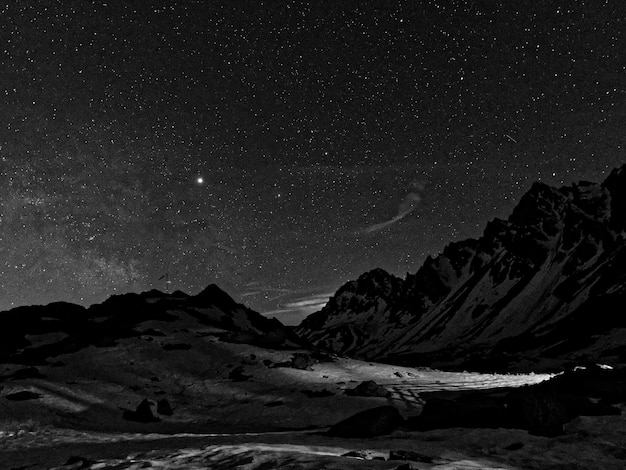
(318, 393)
(142, 414)
(540, 410)
(409, 455)
(164, 407)
(544, 408)
(363, 454)
(606, 384)
(28, 373)
(369, 388)
(303, 361)
(23, 395)
(470, 411)
(368, 423)
(237, 375)
(78, 463)
(176, 347)
(407, 466)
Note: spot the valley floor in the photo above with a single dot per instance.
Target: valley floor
(590, 443)
(267, 419)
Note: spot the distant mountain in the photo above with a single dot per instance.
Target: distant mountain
(37, 334)
(546, 285)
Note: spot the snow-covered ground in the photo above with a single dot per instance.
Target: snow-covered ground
(267, 421)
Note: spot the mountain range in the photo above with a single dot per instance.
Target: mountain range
(140, 379)
(35, 335)
(545, 287)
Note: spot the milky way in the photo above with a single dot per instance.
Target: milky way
(274, 147)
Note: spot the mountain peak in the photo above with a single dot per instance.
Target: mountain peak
(214, 295)
(122, 317)
(541, 202)
(377, 280)
(377, 276)
(532, 282)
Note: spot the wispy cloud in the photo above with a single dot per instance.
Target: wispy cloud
(258, 289)
(408, 205)
(292, 313)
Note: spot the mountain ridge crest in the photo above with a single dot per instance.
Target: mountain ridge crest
(541, 269)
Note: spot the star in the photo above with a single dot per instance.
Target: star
(327, 140)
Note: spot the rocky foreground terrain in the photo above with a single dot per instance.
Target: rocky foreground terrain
(159, 380)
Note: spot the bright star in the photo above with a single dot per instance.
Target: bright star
(199, 180)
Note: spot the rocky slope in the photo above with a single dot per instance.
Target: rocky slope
(38, 334)
(548, 283)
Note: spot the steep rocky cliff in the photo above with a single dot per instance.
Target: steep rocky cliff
(548, 282)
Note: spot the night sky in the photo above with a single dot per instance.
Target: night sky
(280, 148)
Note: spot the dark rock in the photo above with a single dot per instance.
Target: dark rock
(322, 357)
(237, 375)
(514, 446)
(409, 455)
(274, 403)
(369, 423)
(28, 373)
(164, 407)
(143, 413)
(152, 332)
(471, 411)
(176, 347)
(318, 393)
(540, 410)
(78, 463)
(364, 454)
(544, 408)
(599, 409)
(607, 385)
(406, 466)
(104, 341)
(22, 396)
(369, 388)
(303, 361)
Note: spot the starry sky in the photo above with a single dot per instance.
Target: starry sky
(282, 148)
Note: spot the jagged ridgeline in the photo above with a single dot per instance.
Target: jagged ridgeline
(546, 285)
(69, 328)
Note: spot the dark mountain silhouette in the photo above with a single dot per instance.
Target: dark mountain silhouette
(73, 327)
(546, 285)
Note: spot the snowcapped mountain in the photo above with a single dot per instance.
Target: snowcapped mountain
(549, 283)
